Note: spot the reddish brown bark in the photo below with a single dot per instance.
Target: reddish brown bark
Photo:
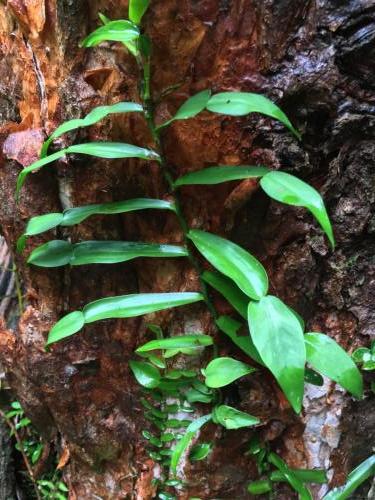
(314, 59)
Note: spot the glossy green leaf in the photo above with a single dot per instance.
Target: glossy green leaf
(233, 261)
(127, 306)
(137, 9)
(316, 476)
(230, 418)
(124, 306)
(200, 452)
(190, 108)
(93, 117)
(290, 190)
(260, 487)
(146, 374)
(229, 290)
(38, 225)
(294, 481)
(329, 359)
(104, 19)
(67, 326)
(185, 441)
(243, 103)
(217, 175)
(223, 371)
(59, 253)
(312, 377)
(230, 327)
(178, 342)
(358, 476)
(113, 31)
(278, 337)
(111, 150)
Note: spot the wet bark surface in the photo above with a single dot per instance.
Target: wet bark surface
(316, 60)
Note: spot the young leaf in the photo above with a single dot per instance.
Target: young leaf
(146, 374)
(200, 452)
(217, 175)
(229, 290)
(358, 476)
(316, 476)
(185, 441)
(328, 358)
(260, 487)
(38, 225)
(104, 19)
(55, 253)
(190, 108)
(230, 418)
(179, 342)
(233, 261)
(100, 149)
(127, 306)
(293, 479)
(223, 371)
(137, 9)
(114, 31)
(278, 337)
(93, 117)
(290, 190)
(243, 103)
(124, 306)
(67, 326)
(230, 327)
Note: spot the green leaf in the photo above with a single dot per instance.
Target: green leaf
(290, 190)
(38, 225)
(243, 103)
(68, 325)
(217, 175)
(328, 358)
(230, 418)
(312, 377)
(259, 487)
(137, 9)
(230, 327)
(233, 261)
(113, 31)
(358, 476)
(200, 452)
(52, 254)
(145, 373)
(294, 481)
(223, 371)
(190, 108)
(179, 342)
(104, 19)
(123, 306)
(229, 290)
(358, 354)
(185, 441)
(59, 252)
(109, 150)
(316, 476)
(96, 115)
(278, 337)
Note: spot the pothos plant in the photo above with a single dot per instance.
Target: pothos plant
(276, 338)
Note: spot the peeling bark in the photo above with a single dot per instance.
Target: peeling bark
(316, 59)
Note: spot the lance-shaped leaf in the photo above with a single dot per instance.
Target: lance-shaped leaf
(290, 190)
(190, 108)
(60, 253)
(359, 475)
(278, 337)
(233, 261)
(68, 325)
(217, 175)
(146, 374)
(231, 418)
(113, 31)
(229, 290)
(293, 479)
(93, 117)
(223, 371)
(72, 216)
(186, 439)
(330, 359)
(110, 150)
(243, 103)
(124, 306)
(179, 342)
(137, 9)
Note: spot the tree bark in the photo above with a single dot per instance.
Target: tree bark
(316, 60)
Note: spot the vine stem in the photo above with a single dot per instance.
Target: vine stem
(23, 453)
(148, 104)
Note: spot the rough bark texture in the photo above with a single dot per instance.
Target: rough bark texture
(316, 59)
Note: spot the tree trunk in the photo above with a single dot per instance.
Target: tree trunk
(316, 60)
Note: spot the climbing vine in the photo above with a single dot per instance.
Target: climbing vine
(276, 338)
